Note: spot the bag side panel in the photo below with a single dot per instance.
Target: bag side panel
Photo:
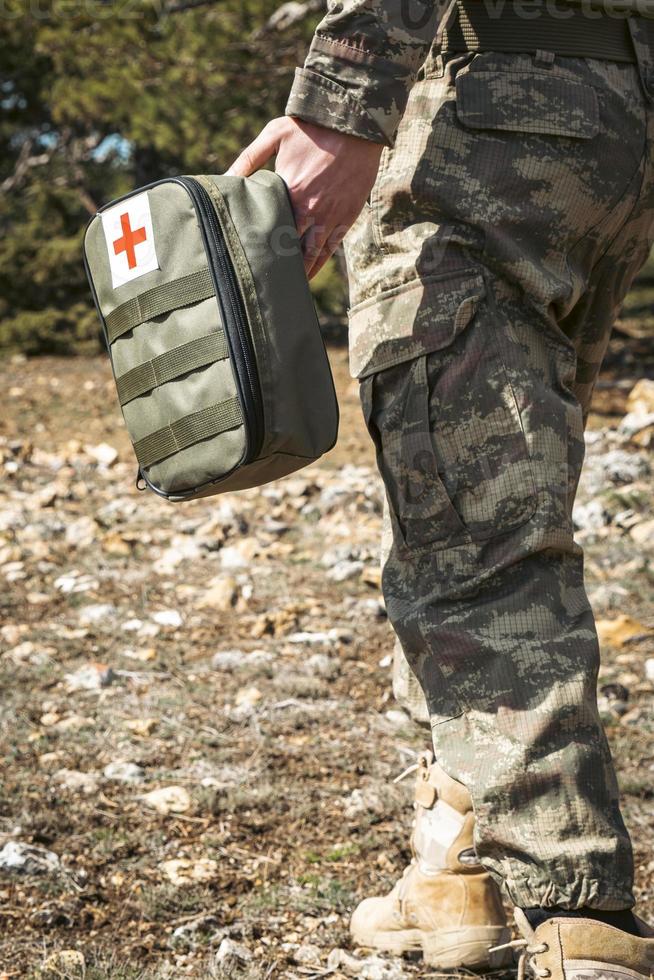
(299, 396)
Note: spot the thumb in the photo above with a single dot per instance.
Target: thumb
(257, 154)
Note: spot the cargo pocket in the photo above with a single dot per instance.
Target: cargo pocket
(527, 101)
(396, 408)
(450, 442)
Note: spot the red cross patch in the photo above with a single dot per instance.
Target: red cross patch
(130, 239)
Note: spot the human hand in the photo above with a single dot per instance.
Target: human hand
(329, 176)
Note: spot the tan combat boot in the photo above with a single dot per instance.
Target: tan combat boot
(445, 903)
(583, 949)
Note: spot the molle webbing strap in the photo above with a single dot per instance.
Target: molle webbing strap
(170, 365)
(160, 299)
(497, 25)
(187, 431)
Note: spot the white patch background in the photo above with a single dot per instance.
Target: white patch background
(138, 209)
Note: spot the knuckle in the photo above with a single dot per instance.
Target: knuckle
(275, 127)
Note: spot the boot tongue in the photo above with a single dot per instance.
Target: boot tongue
(442, 838)
(436, 830)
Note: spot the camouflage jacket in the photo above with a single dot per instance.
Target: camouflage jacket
(365, 56)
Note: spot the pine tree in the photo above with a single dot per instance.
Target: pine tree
(99, 97)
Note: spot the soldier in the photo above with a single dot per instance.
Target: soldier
(499, 181)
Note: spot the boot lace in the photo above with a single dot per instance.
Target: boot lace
(425, 759)
(528, 950)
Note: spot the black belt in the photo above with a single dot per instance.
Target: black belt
(476, 26)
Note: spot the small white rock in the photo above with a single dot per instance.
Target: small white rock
(167, 617)
(31, 653)
(643, 534)
(591, 516)
(189, 930)
(367, 968)
(182, 549)
(73, 723)
(28, 859)
(144, 655)
(220, 595)
(149, 630)
(231, 955)
(168, 799)
(320, 665)
(308, 954)
(76, 781)
(232, 557)
(96, 613)
(91, 677)
(230, 660)
(608, 595)
(103, 454)
(623, 467)
(132, 625)
(81, 533)
(641, 396)
(124, 772)
(183, 871)
(635, 422)
(248, 697)
(69, 963)
(397, 717)
(370, 608)
(343, 571)
(362, 801)
(331, 636)
(73, 582)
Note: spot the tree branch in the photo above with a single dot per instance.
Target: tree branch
(24, 163)
(290, 13)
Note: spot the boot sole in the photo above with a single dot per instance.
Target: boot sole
(448, 950)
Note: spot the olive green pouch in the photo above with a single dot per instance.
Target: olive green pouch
(221, 370)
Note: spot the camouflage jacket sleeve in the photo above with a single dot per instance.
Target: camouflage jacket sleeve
(362, 63)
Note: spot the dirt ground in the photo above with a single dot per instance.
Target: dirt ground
(234, 652)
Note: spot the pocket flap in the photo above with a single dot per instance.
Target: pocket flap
(415, 318)
(527, 102)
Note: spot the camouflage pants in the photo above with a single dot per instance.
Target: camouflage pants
(504, 230)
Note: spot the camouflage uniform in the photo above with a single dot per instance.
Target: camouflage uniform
(506, 224)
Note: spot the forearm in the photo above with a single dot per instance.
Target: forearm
(362, 64)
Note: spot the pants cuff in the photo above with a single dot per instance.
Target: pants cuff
(579, 892)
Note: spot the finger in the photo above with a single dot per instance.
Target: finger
(324, 256)
(313, 242)
(256, 155)
(323, 250)
(304, 221)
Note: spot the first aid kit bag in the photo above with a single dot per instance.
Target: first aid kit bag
(221, 371)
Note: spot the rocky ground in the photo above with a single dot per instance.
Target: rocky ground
(198, 734)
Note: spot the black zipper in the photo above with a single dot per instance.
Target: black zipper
(237, 328)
